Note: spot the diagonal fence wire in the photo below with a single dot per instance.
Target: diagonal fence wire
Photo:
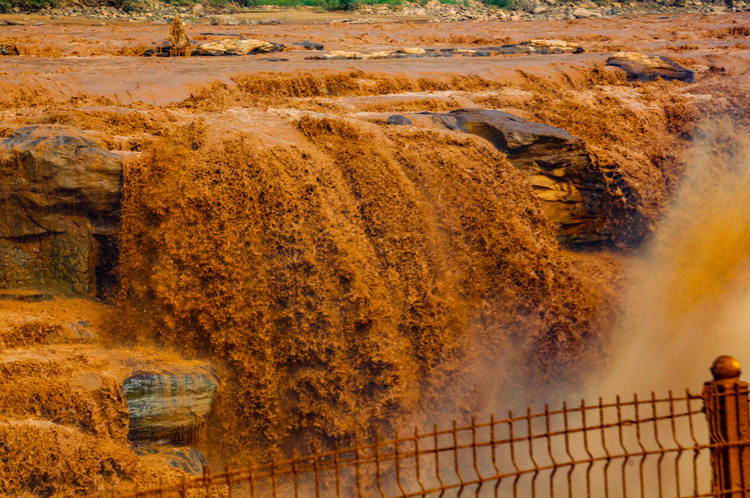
(636, 448)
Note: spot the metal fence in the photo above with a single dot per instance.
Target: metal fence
(692, 445)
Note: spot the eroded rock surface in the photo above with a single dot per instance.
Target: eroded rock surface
(169, 402)
(237, 47)
(645, 67)
(185, 458)
(58, 189)
(557, 164)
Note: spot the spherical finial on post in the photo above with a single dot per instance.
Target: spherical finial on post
(726, 367)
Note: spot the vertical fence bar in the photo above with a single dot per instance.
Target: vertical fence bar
(696, 450)
(549, 452)
(677, 442)
(316, 462)
(397, 449)
(228, 473)
(251, 476)
(207, 481)
(358, 469)
(493, 447)
(726, 404)
(417, 455)
(571, 459)
(437, 460)
(455, 459)
(513, 454)
(377, 466)
(608, 456)
(295, 477)
(530, 438)
(273, 476)
(586, 447)
(337, 464)
(474, 455)
(624, 465)
(641, 480)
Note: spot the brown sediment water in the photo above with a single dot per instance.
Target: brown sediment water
(346, 276)
(343, 275)
(689, 295)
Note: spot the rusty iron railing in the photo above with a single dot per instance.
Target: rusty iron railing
(692, 445)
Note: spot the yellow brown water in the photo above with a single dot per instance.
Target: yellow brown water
(345, 278)
(349, 277)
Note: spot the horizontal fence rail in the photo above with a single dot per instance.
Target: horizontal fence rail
(687, 446)
(639, 448)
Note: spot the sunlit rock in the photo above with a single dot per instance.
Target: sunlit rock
(169, 402)
(644, 67)
(237, 47)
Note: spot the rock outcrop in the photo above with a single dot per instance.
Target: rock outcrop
(529, 47)
(184, 458)
(644, 67)
(169, 402)
(112, 392)
(237, 47)
(66, 413)
(557, 164)
(58, 189)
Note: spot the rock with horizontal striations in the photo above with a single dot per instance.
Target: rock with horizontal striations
(644, 67)
(184, 458)
(238, 47)
(57, 189)
(557, 164)
(169, 402)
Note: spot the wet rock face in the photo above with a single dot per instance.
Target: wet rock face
(169, 403)
(184, 458)
(57, 189)
(644, 67)
(557, 164)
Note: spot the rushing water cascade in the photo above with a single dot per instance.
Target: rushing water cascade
(347, 281)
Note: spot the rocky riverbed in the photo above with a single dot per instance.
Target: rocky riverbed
(264, 236)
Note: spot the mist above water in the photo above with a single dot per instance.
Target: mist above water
(688, 299)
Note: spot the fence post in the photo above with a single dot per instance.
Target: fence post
(726, 404)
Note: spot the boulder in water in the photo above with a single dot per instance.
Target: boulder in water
(582, 13)
(169, 402)
(557, 165)
(308, 45)
(554, 46)
(184, 458)
(645, 67)
(238, 47)
(397, 119)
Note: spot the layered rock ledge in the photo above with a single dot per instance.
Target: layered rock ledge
(58, 189)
